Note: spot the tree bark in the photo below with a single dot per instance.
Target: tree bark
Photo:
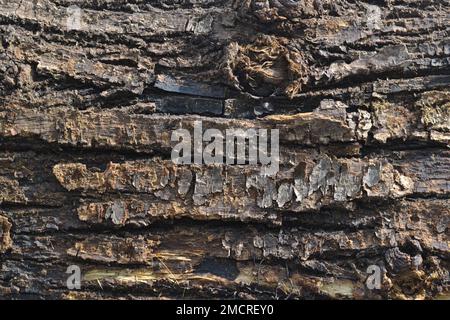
(359, 91)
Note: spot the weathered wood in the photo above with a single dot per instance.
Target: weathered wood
(359, 91)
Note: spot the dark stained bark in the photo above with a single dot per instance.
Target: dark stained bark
(359, 91)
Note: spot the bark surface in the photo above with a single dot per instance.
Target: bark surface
(359, 91)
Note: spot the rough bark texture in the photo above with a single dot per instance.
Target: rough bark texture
(358, 89)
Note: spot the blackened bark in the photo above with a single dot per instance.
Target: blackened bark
(358, 89)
